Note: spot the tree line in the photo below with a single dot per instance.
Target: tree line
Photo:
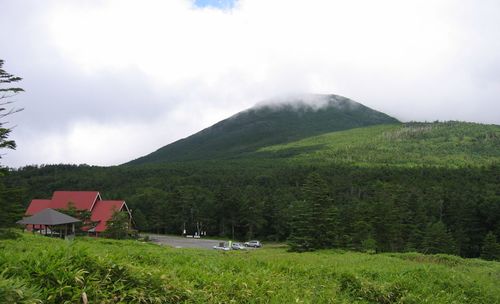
(424, 209)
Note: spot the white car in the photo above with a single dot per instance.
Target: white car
(222, 246)
(238, 246)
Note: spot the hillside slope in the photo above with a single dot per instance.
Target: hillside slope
(444, 144)
(271, 124)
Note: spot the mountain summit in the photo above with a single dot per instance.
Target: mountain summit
(268, 123)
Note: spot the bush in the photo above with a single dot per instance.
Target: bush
(17, 291)
(8, 234)
(369, 291)
(369, 245)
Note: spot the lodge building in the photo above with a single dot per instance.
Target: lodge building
(101, 210)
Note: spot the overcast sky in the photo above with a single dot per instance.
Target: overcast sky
(109, 81)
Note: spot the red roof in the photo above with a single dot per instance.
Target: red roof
(82, 200)
(37, 205)
(103, 211)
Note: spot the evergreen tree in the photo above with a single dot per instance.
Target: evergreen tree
(140, 220)
(10, 208)
(302, 230)
(315, 220)
(251, 210)
(331, 226)
(361, 231)
(5, 94)
(491, 248)
(437, 239)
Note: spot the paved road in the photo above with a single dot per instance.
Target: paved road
(182, 242)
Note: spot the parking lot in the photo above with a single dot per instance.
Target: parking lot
(183, 242)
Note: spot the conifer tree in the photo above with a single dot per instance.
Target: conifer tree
(302, 230)
(437, 239)
(10, 208)
(332, 232)
(5, 101)
(140, 220)
(315, 218)
(491, 248)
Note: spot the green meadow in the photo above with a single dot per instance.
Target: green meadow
(36, 269)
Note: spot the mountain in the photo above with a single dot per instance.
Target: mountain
(270, 123)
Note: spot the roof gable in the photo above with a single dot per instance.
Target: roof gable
(82, 200)
(37, 205)
(103, 211)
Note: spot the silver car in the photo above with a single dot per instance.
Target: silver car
(238, 246)
(254, 244)
(222, 246)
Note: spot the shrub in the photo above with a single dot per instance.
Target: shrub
(17, 291)
(369, 291)
(8, 234)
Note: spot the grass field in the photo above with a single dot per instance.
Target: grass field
(36, 269)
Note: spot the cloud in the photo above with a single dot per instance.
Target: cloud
(140, 75)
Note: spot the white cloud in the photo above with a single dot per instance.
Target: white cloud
(154, 71)
(172, 41)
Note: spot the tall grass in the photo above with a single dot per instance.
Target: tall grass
(40, 270)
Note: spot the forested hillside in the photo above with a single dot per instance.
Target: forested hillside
(267, 124)
(446, 144)
(441, 196)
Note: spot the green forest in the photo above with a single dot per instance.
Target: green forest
(427, 187)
